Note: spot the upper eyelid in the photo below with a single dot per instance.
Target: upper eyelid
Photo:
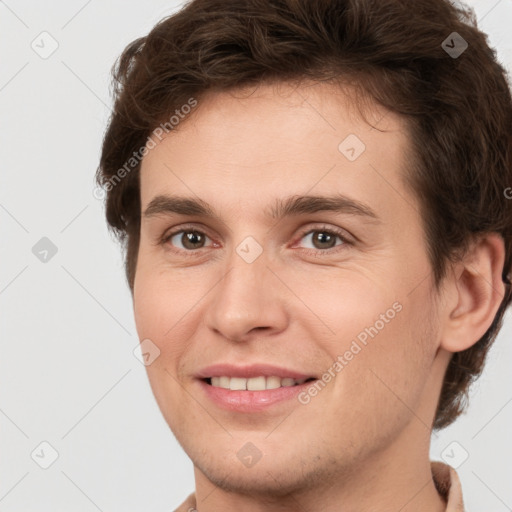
(342, 233)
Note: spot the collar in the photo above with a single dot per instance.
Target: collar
(448, 486)
(445, 479)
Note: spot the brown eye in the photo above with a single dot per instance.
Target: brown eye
(192, 239)
(323, 239)
(189, 239)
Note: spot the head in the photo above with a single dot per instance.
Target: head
(244, 106)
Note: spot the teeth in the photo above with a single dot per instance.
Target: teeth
(223, 382)
(237, 383)
(254, 383)
(273, 382)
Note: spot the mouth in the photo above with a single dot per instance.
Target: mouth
(253, 388)
(260, 383)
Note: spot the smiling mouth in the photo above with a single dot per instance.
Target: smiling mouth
(260, 383)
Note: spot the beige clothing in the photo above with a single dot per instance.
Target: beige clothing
(445, 479)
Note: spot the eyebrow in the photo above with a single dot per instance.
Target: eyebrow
(293, 205)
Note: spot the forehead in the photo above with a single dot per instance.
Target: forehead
(264, 141)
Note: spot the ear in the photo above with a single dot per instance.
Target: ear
(474, 292)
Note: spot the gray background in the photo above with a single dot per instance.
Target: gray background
(69, 376)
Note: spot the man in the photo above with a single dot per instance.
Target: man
(303, 189)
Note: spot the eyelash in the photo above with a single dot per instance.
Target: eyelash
(315, 252)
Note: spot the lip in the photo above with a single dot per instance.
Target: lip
(248, 371)
(251, 401)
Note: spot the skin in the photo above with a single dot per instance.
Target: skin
(363, 442)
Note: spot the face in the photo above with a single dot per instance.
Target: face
(306, 265)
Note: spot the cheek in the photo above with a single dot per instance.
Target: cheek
(163, 303)
(381, 335)
(344, 305)
(158, 308)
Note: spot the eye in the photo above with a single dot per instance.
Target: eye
(190, 239)
(323, 239)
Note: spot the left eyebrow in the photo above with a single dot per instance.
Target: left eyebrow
(339, 203)
(293, 205)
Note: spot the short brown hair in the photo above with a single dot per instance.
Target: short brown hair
(458, 110)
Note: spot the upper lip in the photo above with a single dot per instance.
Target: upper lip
(248, 371)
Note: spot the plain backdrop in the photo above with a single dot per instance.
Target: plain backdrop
(73, 395)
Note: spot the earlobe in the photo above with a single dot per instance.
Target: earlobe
(477, 289)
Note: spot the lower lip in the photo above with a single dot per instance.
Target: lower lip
(251, 401)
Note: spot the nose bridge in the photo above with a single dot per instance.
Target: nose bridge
(244, 298)
(247, 277)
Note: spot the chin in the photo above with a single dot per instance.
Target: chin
(279, 473)
(275, 481)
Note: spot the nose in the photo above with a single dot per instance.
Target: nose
(248, 300)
